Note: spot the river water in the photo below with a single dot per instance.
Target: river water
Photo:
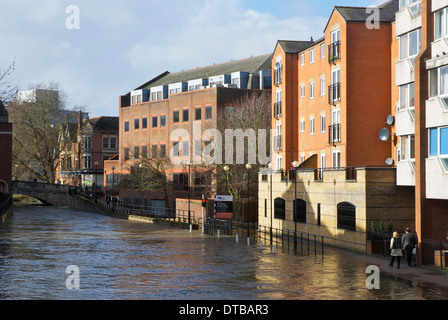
(120, 259)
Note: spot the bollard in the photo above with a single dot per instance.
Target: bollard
(273, 249)
(219, 233)
(261, 244)
(236, 237)
(191, 228)
(248, 241)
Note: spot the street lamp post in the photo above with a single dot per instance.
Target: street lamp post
(189, 192)
(226, 169)
(96, 175)
(248, 167)
(270, 168)
(113, 178)
(295, 164)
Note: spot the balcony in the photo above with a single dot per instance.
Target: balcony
(334, 133)
(277, 143)
(334, 51)
(404, 71)
(278, 109)
(406, 172)
(334, 93)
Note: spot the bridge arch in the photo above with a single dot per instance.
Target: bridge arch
(48, 194)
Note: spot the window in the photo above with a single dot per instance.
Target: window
(322, 51)
(163, 121)
(334, 47)
(302, 125)
(198, 114)
(438, 84)
(180, 181)
(197, 148)
(208, 112)
(185, 115)
(109, 142)
(311, 56)
(175, 116)
(136, 152)
(279, 208)
(126, 126)
(335, 87)
(126, 154)
(299, 209)
(410, 44)
(438, 145)
(322, 87)
(88, 143)
(407, 96)
(346, 216)
(162, 151)
(136, 99)
(302, 91)
(302, 59)
(278, 72)
(415, 6)
(322, 123)
(278, 162)
(229, 110)
(302, 158)
(441, 23)
(144, 152)
(322, 160)
(154, 151)
(87, 162)
(336, 159)
(154, 122)
(407, 147)
(144, 123)
(185, 148)
(312, 125)
(136, 124)
(176, 151)
(312, 90)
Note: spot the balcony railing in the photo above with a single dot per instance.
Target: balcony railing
(278, 109)
(334, 50)
(277, 143)
(334, 93)
(334, 133)
(278, 76)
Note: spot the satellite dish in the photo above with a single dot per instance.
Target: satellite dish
(389, 161)
(384, 134)
(390, 120)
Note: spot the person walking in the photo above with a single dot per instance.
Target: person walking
(409, 241)
(395, 250)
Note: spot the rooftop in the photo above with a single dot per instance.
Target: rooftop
(251, 65)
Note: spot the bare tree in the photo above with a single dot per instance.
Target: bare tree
(7, 89)
(250, 114)
(38, 121)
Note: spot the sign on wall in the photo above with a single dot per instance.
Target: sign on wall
(223, 207)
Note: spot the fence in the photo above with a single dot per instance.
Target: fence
(306, 243)
(115, 206)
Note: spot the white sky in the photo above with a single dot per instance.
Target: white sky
(122, 44)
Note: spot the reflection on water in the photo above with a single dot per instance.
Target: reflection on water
(120, 259)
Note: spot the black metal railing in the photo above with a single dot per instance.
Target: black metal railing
(334, 52)
(334, 93)
(277, 109)
(350, 172)
(334, 133)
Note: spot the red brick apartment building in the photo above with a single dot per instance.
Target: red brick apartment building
(150, 114)
(419, 105)
(93, 141)
(333, 172)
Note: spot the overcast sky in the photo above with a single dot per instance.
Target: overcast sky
(122, 44)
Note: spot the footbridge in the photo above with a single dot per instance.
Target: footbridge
(47, 193)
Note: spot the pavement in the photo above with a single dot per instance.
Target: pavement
(420, 275)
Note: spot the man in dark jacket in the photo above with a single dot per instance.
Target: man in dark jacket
(409, 241)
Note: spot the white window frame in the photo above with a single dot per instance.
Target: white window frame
(323, 87)
(278, 162)
(322, 160)
(322, 123)
(311, 56)
(406, 55)
(302, 59)
(302, 91)
(311, 125)
(322, 51)
(311, 90)
(336, 159)
(302, 125)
